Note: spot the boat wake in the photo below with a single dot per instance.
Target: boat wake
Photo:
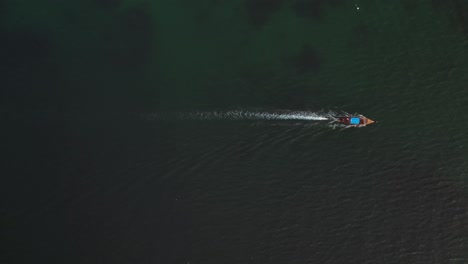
(244, 115)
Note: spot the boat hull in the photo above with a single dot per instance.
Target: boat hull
(356, 121)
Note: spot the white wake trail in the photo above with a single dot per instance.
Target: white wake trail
(243, 115)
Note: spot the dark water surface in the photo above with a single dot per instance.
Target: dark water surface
(91, 176)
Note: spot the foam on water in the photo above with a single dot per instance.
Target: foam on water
(242, 115)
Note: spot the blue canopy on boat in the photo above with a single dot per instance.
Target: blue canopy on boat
(354, 121)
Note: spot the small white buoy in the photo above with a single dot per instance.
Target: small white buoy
(357, 7)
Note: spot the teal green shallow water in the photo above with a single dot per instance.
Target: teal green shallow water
(86, 178)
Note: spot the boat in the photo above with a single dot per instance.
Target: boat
(354, 121)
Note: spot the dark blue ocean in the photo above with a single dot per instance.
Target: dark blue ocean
(199, 131)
